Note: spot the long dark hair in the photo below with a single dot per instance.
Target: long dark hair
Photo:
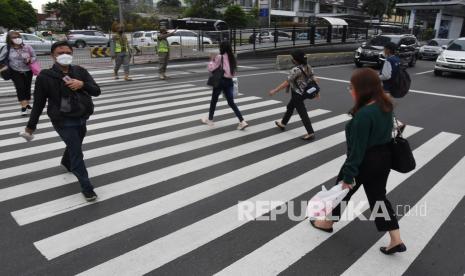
(368, 87)
(225, 48)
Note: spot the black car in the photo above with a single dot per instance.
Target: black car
(371, 52)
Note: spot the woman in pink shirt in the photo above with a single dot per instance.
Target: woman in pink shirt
(227, 59)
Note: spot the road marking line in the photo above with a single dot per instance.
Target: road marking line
(440, 201)
(72, 202)
(65, 242)
(284, 250)
(426, 72)
(128, 131)
(101, 151)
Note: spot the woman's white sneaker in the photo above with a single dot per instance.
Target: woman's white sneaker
(242, 125)
(207, 121)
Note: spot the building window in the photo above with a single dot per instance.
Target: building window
(326, 9)
(307, 5)
(285, 5)
(245, 3)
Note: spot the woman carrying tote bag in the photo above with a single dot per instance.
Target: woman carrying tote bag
(369, 156)
(225, 65)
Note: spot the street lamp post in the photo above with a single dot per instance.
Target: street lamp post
(120, 12)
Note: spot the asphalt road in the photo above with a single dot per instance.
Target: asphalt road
(170, 189)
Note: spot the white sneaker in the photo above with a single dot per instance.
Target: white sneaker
(207, 121)
(242, 125)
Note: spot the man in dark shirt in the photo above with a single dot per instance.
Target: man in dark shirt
(57, 86)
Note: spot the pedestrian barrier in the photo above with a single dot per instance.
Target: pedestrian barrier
(99, 52)
(284, 62)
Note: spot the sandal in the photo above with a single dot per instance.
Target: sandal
(280, 126)
(308, 137)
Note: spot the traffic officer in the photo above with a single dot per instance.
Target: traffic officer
(163, 50)
(121, 53)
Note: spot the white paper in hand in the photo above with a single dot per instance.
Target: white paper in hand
(325, 201)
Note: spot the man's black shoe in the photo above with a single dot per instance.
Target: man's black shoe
(89, 195)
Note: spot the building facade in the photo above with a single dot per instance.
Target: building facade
(446, 17)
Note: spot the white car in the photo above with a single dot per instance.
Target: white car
(452, 59)
(433, 49)
(187, 38)
(40, 46)
(142, 38)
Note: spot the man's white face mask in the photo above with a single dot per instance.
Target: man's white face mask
(64, 59)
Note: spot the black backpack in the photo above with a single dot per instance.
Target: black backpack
(5, 72)
(401, 83)
(312, 89)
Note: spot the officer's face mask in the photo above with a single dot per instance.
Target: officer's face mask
(64, 59)
(17, 41)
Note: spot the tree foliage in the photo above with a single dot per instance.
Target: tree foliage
(205, 8)
(235, 16)
(17, 14)
(378, 8)
(168, 4)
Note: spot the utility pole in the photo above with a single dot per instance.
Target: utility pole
(120, 13)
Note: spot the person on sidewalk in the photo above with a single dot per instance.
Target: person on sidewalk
(18, 56)
(368, 161)
(297, 82)
(59, 86)
(227, 61)
(163, 49)
(120, 53)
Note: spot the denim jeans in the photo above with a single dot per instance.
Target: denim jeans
(72, 132)
(227, 87)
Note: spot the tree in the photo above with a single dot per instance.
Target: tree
(17, 14)
(378, 8)
(89, 13)
(235, 16)
(205, 8)
(163, 4)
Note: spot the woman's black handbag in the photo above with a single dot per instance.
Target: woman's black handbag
(5, 71)
(312, 89)
(216, 75)
(402, 159)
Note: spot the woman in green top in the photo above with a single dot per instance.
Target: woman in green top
(368, 155)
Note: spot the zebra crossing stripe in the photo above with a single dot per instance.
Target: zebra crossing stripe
(112, 113)
(132, 130)
(13, 105)
(147, 257)
(101, 151)
(172, 94)
(281, 252)
(66, 242)
(440, 201)
(72, 202)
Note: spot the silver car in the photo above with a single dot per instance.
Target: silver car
(40, 46)
(83, 38)
(433, 49)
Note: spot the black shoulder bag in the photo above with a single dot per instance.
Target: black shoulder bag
(216, 75)
(312, 89)
(402, 159)
(5, 72)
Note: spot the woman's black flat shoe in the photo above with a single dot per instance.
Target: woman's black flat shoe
(327, 230)
(398, 248)
(279, 126)
(308, 138)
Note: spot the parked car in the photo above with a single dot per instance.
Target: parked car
(83, 38)
(142, 38)
(40, 45)
(452, 59)
(187, 38)
(304, 36)
(371, 52)
(433, 48)
(267, 36)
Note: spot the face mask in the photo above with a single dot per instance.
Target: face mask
(18, 41)
(65, 59)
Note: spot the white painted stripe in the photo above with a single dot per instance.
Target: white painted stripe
(426, 72)
(101, 151)
(147, 257)
(281, 252)
(143, 99)
(97, 116)
(411, 90)
(65, 242)
(75, 201)
(247, 67)
(126, 92)
(416, 230)
(132, 130)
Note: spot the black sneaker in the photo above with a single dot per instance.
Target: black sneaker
(89, 195)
